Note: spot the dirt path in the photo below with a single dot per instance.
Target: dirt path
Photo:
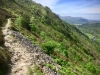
(5, 29)
(8, 23)
(25, 54)
(20, 58)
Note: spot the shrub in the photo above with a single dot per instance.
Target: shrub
(62, 49)
(58, 61)
(48, 47)
(90, 66)
(34, 27)
(20, 22)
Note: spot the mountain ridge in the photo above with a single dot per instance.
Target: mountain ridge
(76, 20)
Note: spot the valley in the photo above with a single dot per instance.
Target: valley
(91, 30)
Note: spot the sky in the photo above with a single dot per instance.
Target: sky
(89, 9)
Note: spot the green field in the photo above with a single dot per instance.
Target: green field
(89, 35)
(98, 40)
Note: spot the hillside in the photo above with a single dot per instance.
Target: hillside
(40, 43)
(91, 29)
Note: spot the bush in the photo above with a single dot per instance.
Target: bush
(48, 47)
(34, 28)
(62, 49)
(90, 66)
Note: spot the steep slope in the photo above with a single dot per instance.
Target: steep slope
(66, 46)
(25, 54)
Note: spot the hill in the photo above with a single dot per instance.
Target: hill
(37, 36)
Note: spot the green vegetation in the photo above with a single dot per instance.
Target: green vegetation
(70, 48)
(91, 30)
(37, 70)
(89, 35)
(30, 71)
(34, 70)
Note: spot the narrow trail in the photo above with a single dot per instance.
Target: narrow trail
(19, 56)
(25, 54)
(8, 23)
(5, 29)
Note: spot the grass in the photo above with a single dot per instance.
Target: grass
(30, 71)
(89, 35)
(98, 40)
(35, 69)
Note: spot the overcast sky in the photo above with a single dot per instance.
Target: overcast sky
(89, 9)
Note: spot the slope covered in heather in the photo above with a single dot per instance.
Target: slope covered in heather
(69, 48)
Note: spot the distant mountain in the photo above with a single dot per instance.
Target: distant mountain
(76, 20)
